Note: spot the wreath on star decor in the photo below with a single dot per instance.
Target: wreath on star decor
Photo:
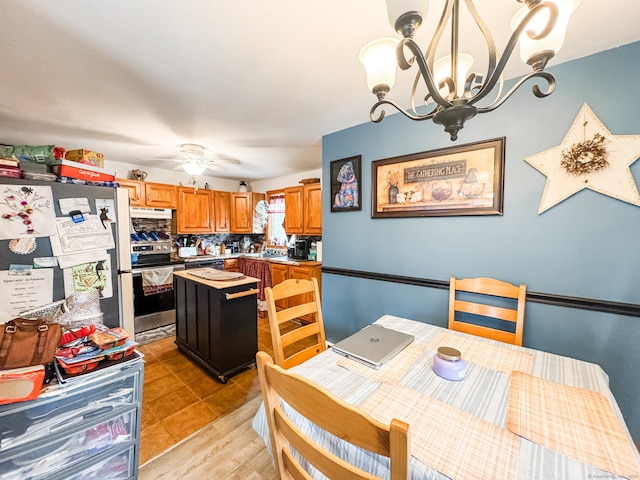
(586, 157)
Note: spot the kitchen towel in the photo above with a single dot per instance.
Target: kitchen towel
(157, 280)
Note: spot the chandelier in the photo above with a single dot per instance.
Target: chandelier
(539, 26)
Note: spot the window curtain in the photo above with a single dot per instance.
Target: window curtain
(276, 204)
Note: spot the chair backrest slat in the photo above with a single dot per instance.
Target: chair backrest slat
(295, 320)
(332, 414)
(483, 289)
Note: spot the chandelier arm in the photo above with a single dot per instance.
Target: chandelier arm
(425, 100)
(486, 33)
(425, 72)
(513, 41)
(551, 82)
(414, 116)
(430, 54)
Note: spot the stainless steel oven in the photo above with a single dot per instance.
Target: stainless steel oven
(153, 306)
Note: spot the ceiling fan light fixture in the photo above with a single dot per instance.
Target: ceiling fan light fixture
(193, 168)
(192, 151)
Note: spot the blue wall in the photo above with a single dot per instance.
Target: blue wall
(586, 246)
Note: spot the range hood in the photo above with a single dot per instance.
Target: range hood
(142, 212)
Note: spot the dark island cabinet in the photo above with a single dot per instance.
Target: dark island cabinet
(216, 326)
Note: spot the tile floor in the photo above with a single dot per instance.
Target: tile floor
(179, 398)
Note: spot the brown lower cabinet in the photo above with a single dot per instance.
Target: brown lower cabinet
(281, 272)
(231, 265)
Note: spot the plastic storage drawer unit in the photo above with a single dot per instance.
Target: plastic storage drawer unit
(70, 429)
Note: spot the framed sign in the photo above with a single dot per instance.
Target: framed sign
(462, 180)
(346, 184)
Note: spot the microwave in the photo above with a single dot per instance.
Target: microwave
(300, 249)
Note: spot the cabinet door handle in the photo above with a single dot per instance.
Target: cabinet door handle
(246, 293)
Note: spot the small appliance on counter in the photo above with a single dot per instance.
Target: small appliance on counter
(300, 249)
(187, 252)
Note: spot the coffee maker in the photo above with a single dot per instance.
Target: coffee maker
(300, 249)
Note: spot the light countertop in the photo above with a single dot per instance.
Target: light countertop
(219, 284)
(256, 256)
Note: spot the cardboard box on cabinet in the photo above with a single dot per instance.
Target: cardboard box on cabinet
(85, 156)
(65, 168)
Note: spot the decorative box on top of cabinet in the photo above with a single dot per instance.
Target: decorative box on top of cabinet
(150, 194)
(88, 428)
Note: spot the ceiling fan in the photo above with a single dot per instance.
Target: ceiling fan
(194, 159)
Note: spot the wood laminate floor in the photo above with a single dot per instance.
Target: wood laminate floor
(179, 398)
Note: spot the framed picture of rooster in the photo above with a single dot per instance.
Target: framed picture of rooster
(461, 180)
(346, 184)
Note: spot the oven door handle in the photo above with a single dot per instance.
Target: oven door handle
(136, 272)
(246, 293)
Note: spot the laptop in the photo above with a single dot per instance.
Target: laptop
(374, 345)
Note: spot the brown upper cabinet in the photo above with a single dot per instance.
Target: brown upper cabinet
(222, 211)
(195, 210)
(150, 194)
(243, 211)
(213, 211)
(294, 210)
(303, 209)
(313, 209)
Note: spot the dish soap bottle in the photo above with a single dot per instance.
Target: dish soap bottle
(313, 251)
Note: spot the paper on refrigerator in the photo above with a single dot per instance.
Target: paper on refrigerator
(22, 290)
(72, 238)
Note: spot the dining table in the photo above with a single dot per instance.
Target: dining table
(517, 413)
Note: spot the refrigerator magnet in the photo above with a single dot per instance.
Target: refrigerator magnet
(76, 216)
(23, 246)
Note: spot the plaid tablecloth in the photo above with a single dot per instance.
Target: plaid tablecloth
(482, 396)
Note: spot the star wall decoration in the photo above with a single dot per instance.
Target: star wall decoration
(614, 180)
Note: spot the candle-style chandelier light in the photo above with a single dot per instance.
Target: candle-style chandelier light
(539, 26)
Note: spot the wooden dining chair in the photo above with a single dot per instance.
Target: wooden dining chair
(295, 320)
(489, 303)
(333, 415)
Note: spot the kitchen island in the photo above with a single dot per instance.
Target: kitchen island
(216, 319)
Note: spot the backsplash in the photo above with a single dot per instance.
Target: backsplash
(148, 225)
(245, 242)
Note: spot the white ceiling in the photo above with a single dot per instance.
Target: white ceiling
(253, 80)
